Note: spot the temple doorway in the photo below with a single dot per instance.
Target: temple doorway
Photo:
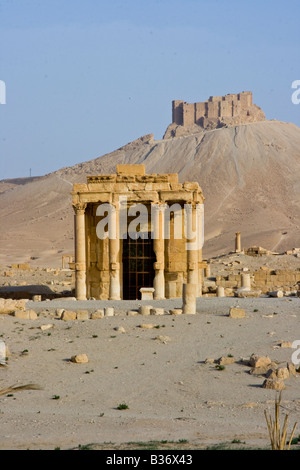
(138, 271)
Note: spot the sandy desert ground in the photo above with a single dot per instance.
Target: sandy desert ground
(161, 374)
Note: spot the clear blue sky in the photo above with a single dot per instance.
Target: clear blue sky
(86, 77)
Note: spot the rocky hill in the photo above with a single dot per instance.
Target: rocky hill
(249, 174)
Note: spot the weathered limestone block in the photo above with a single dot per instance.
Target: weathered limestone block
(280, 373)
(59, 312)
(245, 293)
(285, 344)
(8, 306)
(9, 273)
(82, 315)
(120, 329)
(236, 312)
(68, 315)
(175, 311)
(98, 314)
(145, 309)
(259, 361)
(109, 312)
(130, 169)
(264, 369)
(277, 384)
(132, 313)
(47, 326)
(225, 360)
(157, 311)
(26, 314)
(291, 368)
(171, 290)
(148, 326)
(80, 358)
(23, 266)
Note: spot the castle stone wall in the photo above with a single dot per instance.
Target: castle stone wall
(217, 111)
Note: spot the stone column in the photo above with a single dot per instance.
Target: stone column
(200, 235)
(189, 296)
(207, 270)
(114, 249)
(238, 242)
(246, 281)
(157, 214)
(220, 291)
(80, 251)
(191, 244)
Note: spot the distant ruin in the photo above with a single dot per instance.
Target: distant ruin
(217, 111)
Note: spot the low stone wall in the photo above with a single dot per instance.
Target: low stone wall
(263, 280)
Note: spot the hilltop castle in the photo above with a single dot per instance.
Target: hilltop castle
(217, 111)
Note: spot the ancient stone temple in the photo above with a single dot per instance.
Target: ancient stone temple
(135, 230)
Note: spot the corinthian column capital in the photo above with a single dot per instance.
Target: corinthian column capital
(79, 207)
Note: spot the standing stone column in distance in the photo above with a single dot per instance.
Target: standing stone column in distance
(192, 243)
(157, 216)
(200, 242)
(80, 251)
(238, 242)
(114, 248)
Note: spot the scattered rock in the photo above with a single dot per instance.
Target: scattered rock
(225, 360)
(59, 312)
(36, 298)
(274, 384)
(209, 360)
(175, 311)
(98, 314)
(46, 327)
(26, 314)
(79, 358)
(68, 315)
(132, 313)
(157, 311)
(120, 329)
(259, 361)
(236, 312)
(109, 312)
(285, 344)
(163, 339)
(262, 370)
(245, 293)
(145, 309)
(276, 293)
(280, 373)
(291, 368)
(9, 306)
(148, 325)
(82, 315)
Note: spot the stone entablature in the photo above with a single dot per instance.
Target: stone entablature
(217, 111)
(99, 270)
